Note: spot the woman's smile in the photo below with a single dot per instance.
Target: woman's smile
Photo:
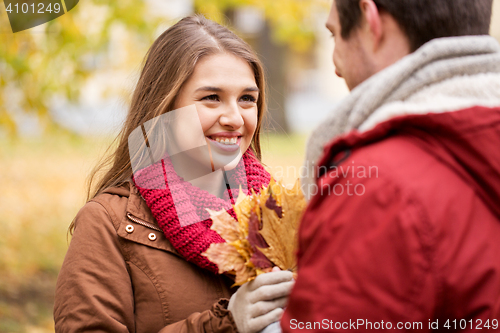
(225, 141)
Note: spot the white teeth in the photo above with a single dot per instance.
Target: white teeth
(226, 141)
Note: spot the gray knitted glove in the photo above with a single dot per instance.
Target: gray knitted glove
(273, 328)
(259, 303)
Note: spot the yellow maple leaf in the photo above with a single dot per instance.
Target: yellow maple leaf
(274, 215)
(225, 256)
(280, 232)
(225, 225)
(242, 209)
(234, 255)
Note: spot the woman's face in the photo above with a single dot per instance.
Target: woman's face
(224, 91)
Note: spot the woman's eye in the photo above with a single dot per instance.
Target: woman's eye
(248, 98)
(214, 98)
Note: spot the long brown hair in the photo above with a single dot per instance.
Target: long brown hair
(168, 65)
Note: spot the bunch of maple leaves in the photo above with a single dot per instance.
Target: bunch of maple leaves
(263, 236)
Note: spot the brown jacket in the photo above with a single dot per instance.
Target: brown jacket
(121, 274)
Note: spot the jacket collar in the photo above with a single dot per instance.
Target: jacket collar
(136, 206)
(139, 214)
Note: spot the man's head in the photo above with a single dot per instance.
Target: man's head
(373, 34)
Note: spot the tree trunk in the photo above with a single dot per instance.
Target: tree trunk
(273, 57)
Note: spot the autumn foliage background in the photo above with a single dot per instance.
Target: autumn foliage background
(44, 164)
(100, 45)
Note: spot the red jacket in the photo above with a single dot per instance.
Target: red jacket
(411, 236)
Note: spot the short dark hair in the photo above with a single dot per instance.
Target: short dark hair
(423, 20)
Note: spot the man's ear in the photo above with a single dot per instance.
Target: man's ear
(373, 22)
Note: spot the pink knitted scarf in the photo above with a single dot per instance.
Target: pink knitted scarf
(191, 203)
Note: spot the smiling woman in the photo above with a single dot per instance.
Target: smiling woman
(191, 139)
(225, 93)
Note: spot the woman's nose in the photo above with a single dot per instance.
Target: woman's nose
(231, 117)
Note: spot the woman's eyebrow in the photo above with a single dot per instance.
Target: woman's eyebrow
(252, 89)
(208, 89)
(217, 89)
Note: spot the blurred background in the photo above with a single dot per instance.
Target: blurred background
(64, 90)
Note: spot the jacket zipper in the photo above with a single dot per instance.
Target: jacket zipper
(138, 221)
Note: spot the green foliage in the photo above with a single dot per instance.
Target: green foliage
(35, 66)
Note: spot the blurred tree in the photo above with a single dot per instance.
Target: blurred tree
(291, 21)
(35, 66)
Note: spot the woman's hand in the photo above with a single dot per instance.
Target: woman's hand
(259, 303)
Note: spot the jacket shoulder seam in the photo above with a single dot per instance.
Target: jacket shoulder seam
(124, 250)
(108, 210)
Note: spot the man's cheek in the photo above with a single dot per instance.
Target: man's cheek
(338, 69)
(337, 62)
(337, 72)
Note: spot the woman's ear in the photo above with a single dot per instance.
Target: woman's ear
(373, 22)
